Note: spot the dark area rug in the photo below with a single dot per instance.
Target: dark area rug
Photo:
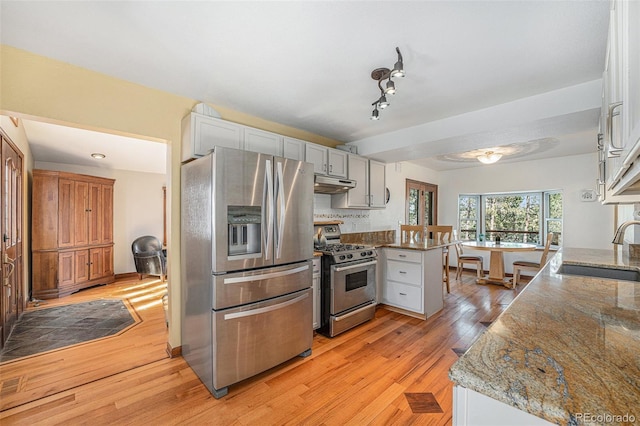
(53, 328)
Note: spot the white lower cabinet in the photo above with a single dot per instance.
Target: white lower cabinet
(413, 280)
(405, 296)
(471, 408)
(316, 292)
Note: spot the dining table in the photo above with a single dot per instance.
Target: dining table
(496, 260)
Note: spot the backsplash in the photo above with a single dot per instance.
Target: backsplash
(354, 220)
(372, 238)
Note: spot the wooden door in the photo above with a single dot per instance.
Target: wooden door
(11, 216)
(82, 265)
(66, 214)
(66, 269)
(107, 261)
(421, 203)
(81, 213)
(106, 208)
(95, 213)
(96, 266)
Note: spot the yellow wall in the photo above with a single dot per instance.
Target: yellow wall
(33, 86)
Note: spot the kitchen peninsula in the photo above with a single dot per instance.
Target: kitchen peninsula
(564, 352)
(412, 277)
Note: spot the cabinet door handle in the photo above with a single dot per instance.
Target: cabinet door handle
(402, 255)
(403, 294)
(402, 272)
(615, 150)
(330, 168)
(324, 167)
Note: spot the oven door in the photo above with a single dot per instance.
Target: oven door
(352, 284)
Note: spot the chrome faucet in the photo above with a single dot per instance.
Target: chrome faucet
(619, 237)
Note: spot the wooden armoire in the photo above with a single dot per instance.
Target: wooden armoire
(71, 233)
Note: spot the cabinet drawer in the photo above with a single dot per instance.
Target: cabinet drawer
(403, 296)
(410, 273)
(405, 255)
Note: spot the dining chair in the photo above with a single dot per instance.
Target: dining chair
(524, 265)
(412, 233)
(442, 233)
(465, 258)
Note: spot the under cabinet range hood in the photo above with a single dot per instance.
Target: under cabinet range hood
(332, 185)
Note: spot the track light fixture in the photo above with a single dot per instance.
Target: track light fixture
(381, 74)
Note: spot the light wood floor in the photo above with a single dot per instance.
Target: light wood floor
(359, 377)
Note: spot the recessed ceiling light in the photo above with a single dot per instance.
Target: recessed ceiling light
(98, 155)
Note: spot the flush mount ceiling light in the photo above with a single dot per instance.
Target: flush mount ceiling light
(98, 156)
(381, 74)
(489, 157)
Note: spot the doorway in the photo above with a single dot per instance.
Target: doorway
(421, 203)
(11, 219)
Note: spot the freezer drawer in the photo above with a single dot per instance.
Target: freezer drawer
(251, 339)
(240, 288)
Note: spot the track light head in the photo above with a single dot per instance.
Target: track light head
(375, 114)
(391, 88)
(383, 101)
(398, 67)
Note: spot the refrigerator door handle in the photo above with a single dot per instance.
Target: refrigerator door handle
(258, 311)
(281, 210)
(249, 278)
(268, 206)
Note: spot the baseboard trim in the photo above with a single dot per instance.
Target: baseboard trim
(174, 352)
(126, 275)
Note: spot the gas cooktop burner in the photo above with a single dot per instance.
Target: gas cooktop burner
(338, 247)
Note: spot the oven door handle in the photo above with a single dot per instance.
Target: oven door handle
(357, 265)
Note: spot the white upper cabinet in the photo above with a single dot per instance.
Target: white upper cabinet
(337, 162)
(263, 142)
(620, 124)
(377, 184)
(200, 133)
(293, 148)
(370, 190)
(326, 161)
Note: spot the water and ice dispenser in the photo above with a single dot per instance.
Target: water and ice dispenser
(244, 227)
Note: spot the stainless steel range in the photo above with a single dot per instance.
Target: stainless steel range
(348, 284)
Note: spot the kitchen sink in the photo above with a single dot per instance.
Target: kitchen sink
(600, 272)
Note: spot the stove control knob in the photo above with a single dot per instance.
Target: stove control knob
(349, 256)
(342, 257)
(363, 254)
(369, 252)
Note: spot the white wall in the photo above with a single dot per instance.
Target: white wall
(137, 207)
(585, 225)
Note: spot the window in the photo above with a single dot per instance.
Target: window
(517, 217)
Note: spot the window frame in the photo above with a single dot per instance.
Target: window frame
(544, 219)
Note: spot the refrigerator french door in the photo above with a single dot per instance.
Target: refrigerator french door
(247, 230)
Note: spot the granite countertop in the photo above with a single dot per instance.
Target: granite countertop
(566, 345)
(424, 246)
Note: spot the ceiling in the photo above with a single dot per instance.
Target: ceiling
(307, 64)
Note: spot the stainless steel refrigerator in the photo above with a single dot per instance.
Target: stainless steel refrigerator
(247, 244)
